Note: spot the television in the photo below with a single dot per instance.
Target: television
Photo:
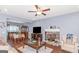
(36, 29)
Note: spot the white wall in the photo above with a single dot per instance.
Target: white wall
(68, 23)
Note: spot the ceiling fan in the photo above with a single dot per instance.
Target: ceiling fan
(40, 11)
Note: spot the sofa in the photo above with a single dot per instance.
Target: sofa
(3, 45)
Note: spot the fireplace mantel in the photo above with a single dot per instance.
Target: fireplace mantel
(52, 30)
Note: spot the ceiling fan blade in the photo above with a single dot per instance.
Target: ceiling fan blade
(36, 6)
(44, 14)
(46, 9)
(32, 11)
(35, 14)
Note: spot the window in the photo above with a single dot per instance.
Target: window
(13, 28)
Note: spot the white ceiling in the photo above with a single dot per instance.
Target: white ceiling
(20, 11)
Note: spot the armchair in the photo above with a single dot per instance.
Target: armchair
(70, 45)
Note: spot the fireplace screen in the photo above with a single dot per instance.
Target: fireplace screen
(52, 36)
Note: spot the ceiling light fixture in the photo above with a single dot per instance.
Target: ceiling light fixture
(40, 11)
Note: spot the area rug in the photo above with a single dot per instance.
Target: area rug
(11, 49)
(47, 50)
(28, 49)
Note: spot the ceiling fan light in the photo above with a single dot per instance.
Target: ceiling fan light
(38, 13)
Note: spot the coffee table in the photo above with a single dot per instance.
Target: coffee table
(36, 46)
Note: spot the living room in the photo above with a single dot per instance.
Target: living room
(54, 31)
